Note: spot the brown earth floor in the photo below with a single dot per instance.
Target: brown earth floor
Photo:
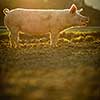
(37, 71)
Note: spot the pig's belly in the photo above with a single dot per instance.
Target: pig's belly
(35, 28)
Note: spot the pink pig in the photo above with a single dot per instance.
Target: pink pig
(40, 21)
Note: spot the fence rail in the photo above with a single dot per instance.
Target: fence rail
(89, 28)
(2, 27)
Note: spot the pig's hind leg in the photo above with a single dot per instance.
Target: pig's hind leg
(14, 37)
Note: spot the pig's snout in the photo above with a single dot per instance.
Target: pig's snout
(84, 21)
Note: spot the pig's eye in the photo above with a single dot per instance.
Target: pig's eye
(74, 14)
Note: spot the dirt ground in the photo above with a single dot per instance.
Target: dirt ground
(37, 71)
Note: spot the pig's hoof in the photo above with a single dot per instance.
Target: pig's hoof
(54, 45)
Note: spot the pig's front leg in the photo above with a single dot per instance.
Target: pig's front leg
(53, 38)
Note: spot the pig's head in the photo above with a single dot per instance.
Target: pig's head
(76, 19)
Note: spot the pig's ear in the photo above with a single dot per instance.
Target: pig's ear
(73, 9)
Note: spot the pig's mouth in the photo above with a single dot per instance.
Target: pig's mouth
(84, 23)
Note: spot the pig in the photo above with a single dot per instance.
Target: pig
(41, 21)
